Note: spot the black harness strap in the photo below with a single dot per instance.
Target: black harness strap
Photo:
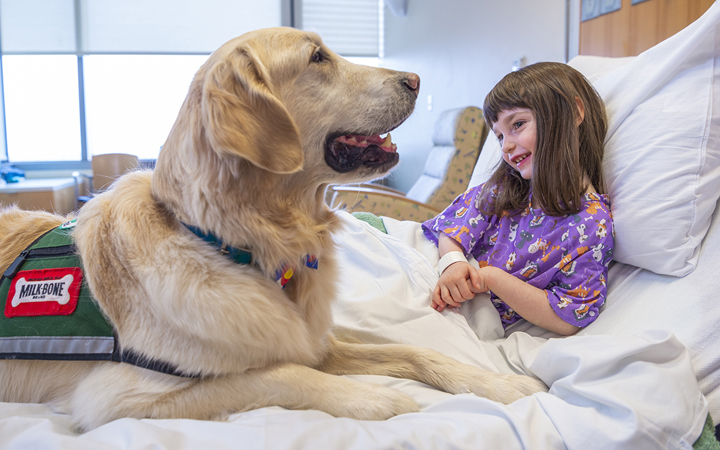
(130, 357)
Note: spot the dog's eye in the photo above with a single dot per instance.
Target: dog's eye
(317, 57)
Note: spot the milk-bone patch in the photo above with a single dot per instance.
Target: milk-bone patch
(44, 292)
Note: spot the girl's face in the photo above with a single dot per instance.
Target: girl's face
(516, 130)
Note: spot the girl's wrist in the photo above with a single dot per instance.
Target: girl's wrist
(449, 259)
(492, 274)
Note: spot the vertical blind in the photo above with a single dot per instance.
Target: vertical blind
(129, 26)
(347, 27)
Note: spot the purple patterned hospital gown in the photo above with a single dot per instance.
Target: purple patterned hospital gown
(566, 256)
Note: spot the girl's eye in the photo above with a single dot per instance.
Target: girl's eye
(519, 124)
(500, 137)
(317, 57)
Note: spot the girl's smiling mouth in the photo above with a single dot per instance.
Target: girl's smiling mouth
(517, 160)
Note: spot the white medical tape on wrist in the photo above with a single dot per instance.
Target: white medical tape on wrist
(448, 259)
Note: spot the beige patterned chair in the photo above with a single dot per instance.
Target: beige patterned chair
(458, 137)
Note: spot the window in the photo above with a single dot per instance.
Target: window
(86, 77)
(41, 107)
(131, 101)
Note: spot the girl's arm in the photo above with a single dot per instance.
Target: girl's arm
(447, 244)
(461, 281)
(527, 300)
(454, 286)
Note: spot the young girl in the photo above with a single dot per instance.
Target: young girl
(540, 228)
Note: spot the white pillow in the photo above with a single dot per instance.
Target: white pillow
(662, 160)
(595, 67)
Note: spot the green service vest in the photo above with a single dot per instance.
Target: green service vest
(49, 312)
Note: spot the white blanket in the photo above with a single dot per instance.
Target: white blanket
(605, 391)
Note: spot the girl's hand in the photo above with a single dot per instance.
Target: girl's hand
(458, 283)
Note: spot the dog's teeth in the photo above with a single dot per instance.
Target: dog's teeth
(351, 140)
(387, 142)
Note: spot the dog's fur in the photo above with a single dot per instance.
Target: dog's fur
(246, 160)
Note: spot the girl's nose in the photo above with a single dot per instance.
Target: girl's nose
(507, 146)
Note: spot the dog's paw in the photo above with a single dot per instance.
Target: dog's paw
(499, 387)
(515, 387)
(366, 401)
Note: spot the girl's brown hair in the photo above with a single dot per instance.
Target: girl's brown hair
(564, 151)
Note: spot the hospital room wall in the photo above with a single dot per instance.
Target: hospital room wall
(461, 49)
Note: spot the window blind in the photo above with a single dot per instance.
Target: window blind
(37, 26)
(129, 26)
(347, 27)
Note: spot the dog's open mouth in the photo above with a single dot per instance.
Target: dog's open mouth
(348, 152)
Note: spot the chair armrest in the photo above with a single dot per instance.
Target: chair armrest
(381, 203)
(379, 187)
(382, 187)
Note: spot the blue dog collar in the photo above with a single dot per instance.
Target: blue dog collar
(238, 255)
(242, 256)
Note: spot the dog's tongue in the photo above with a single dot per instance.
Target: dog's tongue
(364, 141)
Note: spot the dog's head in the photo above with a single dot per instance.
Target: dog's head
(282, 101)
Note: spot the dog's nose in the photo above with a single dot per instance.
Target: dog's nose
(412, 81)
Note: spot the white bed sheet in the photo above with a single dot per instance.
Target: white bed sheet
(606, 391)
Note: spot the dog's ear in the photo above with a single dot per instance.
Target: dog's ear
(242, 117)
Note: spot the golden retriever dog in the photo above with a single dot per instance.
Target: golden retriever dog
(270, 120)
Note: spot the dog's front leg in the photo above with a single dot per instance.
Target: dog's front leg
(295, 386)
(114, 391)
(427, 366)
